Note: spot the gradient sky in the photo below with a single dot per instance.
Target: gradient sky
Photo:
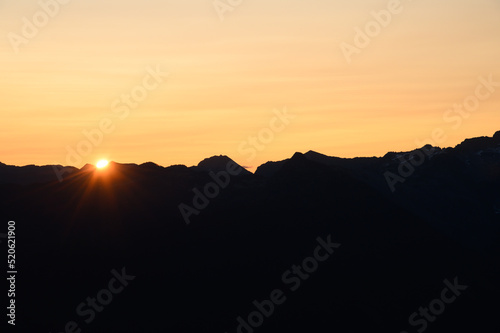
(227, 77)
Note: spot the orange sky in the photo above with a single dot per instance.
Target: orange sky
(226, 78)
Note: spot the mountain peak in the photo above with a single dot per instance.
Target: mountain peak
(88, 167)
(218, 163)
(298, 155)
(496, 137)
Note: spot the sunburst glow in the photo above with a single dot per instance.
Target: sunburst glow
(102, 164)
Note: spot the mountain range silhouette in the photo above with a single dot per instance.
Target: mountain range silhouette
(406, 222)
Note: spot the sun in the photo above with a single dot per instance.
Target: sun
(102, 164)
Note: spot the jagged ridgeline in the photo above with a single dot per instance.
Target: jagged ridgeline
(215, 248)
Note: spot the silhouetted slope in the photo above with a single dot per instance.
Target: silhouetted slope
(269, 169)
(30, 174)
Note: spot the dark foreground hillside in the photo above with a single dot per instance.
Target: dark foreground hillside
(335, 247)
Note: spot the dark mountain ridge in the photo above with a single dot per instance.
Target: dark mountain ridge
(487, 146)
(248, 230)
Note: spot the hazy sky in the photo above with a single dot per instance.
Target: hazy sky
(227, 76)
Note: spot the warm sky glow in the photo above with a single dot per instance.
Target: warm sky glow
(226, 78)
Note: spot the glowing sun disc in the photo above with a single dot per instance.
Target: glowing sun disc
(102, 164)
